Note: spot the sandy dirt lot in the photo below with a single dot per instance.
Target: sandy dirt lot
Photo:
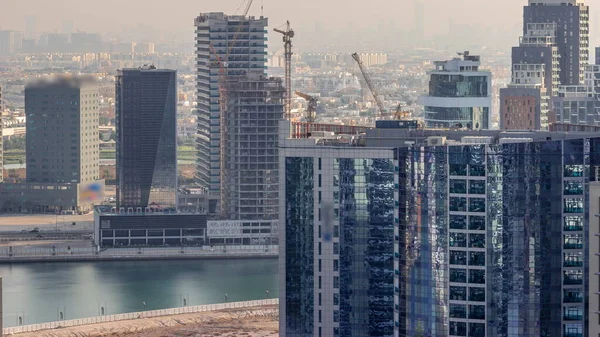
(46, 222)
(247, 322)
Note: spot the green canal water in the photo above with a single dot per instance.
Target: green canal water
(39, 292)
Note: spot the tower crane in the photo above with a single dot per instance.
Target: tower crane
(288, 34)
(223, 100)
(311, 110)
(369, 84)
(401, 114)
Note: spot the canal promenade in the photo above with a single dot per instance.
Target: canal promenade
(237, 317)
(20, 254)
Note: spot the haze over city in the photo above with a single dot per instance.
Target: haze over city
(317, 168)
(332, 25)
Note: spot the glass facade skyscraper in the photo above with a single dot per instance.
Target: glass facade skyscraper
(337, 262)
(459, 94)
(493, 239)
(146, 114)
(485, 234)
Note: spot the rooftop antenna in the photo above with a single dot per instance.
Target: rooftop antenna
(262, 7)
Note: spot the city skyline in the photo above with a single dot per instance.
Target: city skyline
(377, 27)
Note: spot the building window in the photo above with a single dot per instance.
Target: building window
(476, 223)
(477, 205)
(476, 294)
(477, 276)
(573, 277)
(458, 204)
(477, 240)
(476, 186)
(476, 312)
(458, 258)
(458, 311)
(477, 170)
(458, 170)
(573, 259)
(573, 224)
(476, 258)
(458, 186)
(573, 171)
(458, 329)
(458, 222)
(573, 188)
(458, 293)
(458, 240)
(573, 241)
(458, 275)
(573, 205)
(476, 330)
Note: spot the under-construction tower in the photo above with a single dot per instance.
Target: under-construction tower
(288, 34)
(255, 105)
(239, 41)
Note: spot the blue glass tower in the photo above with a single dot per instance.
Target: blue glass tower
(146, 115)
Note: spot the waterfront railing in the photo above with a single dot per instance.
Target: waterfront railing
(21, 253)
(139, 315)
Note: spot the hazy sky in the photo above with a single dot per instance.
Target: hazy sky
(315, 21)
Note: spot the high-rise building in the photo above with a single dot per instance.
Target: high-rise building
(1, 139)
(459, 93)
(594, 260)
(251, 170)
(10, 42)
(62, 130)
(523, 107)
(489, 233)
(571, 18)
(575, 104)
(598, 55)
(535, 75)
(336, 239)
(146, 127)
(248, 53)
(503, 240)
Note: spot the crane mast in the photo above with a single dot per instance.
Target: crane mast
(288, 34)
(369, 84)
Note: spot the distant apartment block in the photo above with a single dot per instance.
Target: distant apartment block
(62, 151)
(521, 107)
(373, 59)
(10, 42)
(459, 94)
(144, 48)
(575, 104)
(146, 127)
(62, 131)
(571, 18)
(598, 55)
(248, 54)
